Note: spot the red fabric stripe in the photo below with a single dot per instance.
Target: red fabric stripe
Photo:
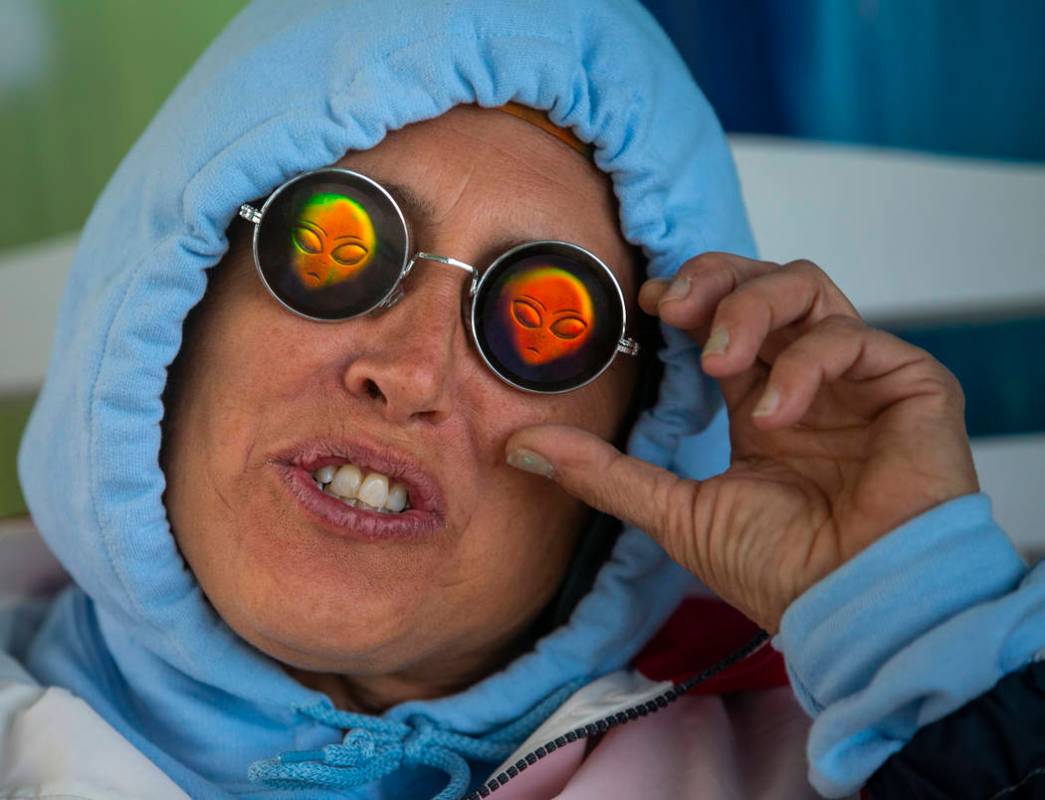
(701, 632)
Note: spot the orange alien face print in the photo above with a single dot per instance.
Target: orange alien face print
(549, 313)
(333, 240)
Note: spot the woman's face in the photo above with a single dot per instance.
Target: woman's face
(396, 616)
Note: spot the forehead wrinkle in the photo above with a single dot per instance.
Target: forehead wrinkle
(528, 145)
(461, 191)
(423, 213)
(535, 163)
(566, 171)
(536, 166)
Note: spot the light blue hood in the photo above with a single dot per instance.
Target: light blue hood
(288, 88)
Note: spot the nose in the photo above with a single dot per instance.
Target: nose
(408, 366)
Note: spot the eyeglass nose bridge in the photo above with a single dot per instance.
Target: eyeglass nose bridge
(397, 293)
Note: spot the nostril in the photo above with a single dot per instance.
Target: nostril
(373, 390)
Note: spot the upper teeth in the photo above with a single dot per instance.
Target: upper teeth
(372, 489)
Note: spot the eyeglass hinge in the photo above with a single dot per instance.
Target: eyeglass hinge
(250, 214)
(628, 346)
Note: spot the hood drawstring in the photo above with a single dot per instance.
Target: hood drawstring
(375, 747)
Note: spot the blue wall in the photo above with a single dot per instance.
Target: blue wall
(950, 76)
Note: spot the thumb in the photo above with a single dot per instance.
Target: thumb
(646, 496)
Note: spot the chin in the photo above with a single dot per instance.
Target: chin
(326, 610)
(359, 638)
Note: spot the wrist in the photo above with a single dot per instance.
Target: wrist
(838, 633)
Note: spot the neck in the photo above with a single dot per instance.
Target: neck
(437, 677)
(372, 695)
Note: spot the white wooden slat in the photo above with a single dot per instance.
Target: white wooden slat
(903, 234)
(1012, 471)
(31, 283)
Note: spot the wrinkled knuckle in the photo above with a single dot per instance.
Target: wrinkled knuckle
(722, 274)
(807, 269)
(709, 260)
(957, 397)
(938, 384)
(701, 265)
(797, 359)
(914, 355)
(949, 385)
(841, 325)
(671, 508)
(678, 519)
(797, 366)
(944, 403)
(735, 306)
(615, 466)
(828, 296)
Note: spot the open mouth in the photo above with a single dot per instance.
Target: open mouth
(362, 490)
(373, 491)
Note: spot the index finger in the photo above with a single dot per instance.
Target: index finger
(689, 299)
(649, 497)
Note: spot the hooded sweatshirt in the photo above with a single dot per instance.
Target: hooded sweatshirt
(286, 90)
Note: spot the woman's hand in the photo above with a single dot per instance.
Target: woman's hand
(839, 432)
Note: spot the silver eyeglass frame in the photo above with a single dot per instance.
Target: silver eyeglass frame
(254, 215)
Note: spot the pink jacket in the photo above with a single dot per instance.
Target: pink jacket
(738, 736)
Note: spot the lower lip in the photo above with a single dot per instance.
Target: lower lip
(355, 522)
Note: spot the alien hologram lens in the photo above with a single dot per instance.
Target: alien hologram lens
(547, 316)
(331, 244)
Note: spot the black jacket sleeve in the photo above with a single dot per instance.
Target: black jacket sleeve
(992, 748)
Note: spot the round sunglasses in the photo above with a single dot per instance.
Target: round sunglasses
(546, 316)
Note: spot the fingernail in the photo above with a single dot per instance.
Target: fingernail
(679, 288)
(529, 461)
(717, 343)
(768, 404)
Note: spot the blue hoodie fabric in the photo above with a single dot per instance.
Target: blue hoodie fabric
(286, 89)
(281, 92)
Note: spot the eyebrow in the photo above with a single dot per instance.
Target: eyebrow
(409, 200)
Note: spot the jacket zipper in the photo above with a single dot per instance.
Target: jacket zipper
(663, 700)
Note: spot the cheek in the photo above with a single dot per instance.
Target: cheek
(597, 407)
(215, 448)
(529, 522)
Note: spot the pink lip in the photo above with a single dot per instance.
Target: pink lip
(426, 514)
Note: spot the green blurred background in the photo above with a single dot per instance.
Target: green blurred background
(79, 81)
